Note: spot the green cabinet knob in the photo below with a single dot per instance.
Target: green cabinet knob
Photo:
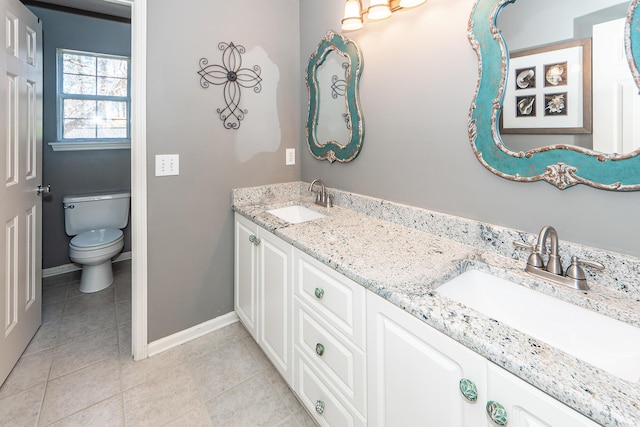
(253, 239)
(319, 349)
(497, 413)
(468, 389)
(319, 406)
(319, 293)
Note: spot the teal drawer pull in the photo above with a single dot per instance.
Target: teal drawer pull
(468, 389)
(497, 413)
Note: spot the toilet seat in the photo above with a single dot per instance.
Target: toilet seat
(96, 239)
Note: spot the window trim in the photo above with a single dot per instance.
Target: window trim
(72, 144)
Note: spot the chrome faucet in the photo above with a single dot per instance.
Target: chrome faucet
(322, 198)
(553, 264)
(574, 276)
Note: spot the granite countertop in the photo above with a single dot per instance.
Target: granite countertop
(405, 265)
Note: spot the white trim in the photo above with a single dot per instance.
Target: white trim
(179, 338)
(67, 268)
(86, 146)
(139, 344)
(60, 269)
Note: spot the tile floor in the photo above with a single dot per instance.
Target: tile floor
(77, 371)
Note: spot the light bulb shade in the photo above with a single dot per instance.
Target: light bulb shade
(378, 9)
(411, 3)
(352, 15)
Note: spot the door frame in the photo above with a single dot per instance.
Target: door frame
(139, 342)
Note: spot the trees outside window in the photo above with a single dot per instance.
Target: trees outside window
(93, 97)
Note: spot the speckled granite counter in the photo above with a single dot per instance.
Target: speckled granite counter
(403, 253)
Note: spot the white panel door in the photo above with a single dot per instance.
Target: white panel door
(245, 275)
(275, 298)
(415, 372)
(616, 103)
(20, 170)
(527, 406)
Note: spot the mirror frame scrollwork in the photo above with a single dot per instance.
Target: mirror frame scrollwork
(561, 165)
(334, 150)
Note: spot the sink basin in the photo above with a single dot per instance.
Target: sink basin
(296, 214)
(604, 342)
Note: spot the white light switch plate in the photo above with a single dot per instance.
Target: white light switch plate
(167, 164)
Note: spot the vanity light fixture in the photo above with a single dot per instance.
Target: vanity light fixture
(378, 9)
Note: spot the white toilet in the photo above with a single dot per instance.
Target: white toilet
(96, 222)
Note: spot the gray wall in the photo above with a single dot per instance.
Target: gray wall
(417, 85)
(418, 81)
(76, 172)
(190, 222)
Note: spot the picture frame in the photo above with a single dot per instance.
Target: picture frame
(548, 90)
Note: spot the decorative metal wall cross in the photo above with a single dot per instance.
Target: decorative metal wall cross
(233, 77)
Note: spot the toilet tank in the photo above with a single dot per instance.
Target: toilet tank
(92, 212)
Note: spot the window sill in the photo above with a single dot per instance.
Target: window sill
(83, 146)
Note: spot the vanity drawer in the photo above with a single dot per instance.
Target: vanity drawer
(336, 299)
(340, 361)
(325, 405)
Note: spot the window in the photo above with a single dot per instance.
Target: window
(93, 98)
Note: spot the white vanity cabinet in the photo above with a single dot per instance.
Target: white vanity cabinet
(355, 359)
(263, 292)
(415, 372)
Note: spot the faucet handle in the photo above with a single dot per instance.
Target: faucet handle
(575, 269)
(535, 260)
(329, 202)
(523, 245)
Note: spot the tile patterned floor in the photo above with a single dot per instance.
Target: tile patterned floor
(77, 371)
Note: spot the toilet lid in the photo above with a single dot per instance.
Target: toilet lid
(94, 239)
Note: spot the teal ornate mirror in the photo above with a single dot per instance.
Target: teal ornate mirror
(528, 86)
(335, 126)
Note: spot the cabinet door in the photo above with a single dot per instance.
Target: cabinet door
(526, 406)
(245, 273)
(415, 372)
(275, 300)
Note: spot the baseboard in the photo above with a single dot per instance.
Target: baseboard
(167, 343)
(68, 268)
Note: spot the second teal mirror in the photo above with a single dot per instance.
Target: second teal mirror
(512, 48)
(335, 125)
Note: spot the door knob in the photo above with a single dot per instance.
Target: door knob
(43, 189)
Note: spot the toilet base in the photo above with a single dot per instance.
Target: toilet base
(96, 277)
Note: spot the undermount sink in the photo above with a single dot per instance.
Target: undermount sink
(606, 343)
(296, 214)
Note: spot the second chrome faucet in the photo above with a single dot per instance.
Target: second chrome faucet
(573, 277)
(322, 197)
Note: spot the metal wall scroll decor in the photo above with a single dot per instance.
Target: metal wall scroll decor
(233, 77)
(562, 165)
(347, 50)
